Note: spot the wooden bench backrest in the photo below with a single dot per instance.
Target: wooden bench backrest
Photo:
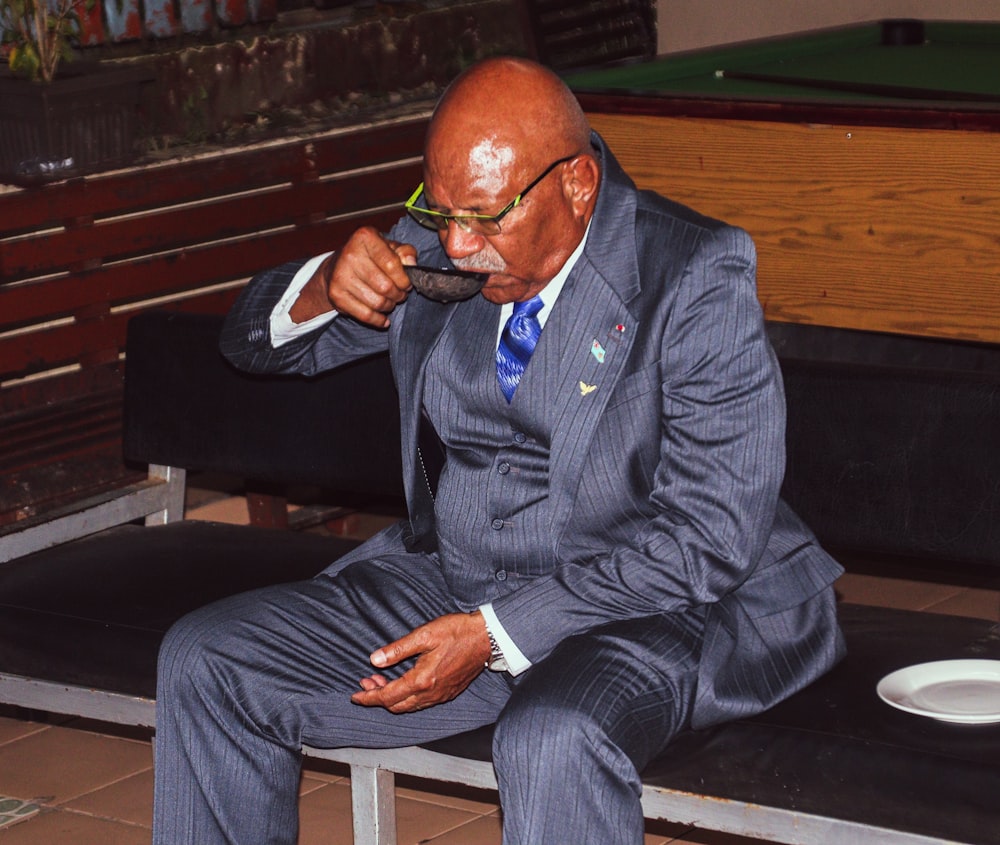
(77, 259)
(893, 443)
(186, 406)
(894, 446)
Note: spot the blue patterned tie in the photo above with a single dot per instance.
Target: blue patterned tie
(517, 342)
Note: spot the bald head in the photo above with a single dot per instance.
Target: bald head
(503, 115)
(515, 98)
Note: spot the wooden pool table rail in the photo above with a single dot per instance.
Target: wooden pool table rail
(883, 228)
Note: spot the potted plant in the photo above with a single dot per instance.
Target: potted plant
(38, 34)
(58, 120)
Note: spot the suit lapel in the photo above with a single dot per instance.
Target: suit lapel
(592, 355)
(596, 331)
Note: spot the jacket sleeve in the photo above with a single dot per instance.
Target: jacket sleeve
(246, 334)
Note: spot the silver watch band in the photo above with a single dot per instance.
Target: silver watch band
(497, 662)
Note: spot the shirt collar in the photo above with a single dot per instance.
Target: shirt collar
(550, 293)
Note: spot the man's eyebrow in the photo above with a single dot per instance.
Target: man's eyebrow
(472, 209)
(433, 206)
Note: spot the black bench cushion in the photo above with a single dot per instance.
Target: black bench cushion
(836, 744)
(190, 408)
(901, 464)
(894, 444)
(93, 612)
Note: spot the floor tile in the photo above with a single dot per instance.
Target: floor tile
(981, 604)
(229, 509)
(480, 801)
(325, 819)
(311, 784)
(892, 592)
(15, 729)
(59, 764)
(61, 827)
(325, 816)
(484, 830)
(128, 800)
(417, 821)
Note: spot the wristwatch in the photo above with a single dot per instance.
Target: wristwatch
(497, 662)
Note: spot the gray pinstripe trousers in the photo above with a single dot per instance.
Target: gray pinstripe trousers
(244, 683)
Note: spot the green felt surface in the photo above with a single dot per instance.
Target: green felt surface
(955, 58)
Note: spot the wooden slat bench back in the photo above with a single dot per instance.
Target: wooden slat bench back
(78, 259)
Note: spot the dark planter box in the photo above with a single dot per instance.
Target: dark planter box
(83, 122)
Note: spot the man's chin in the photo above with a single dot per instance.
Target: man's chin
(501, 289)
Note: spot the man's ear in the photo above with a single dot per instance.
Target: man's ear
(581, 181)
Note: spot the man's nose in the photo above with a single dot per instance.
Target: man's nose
(458, 243)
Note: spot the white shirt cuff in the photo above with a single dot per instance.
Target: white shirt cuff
(283, 328)
(516, 661)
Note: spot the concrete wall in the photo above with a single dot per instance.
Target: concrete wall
(689, 24)
(316, 65)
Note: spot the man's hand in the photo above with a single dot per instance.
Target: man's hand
(365, 280)
(450, 650)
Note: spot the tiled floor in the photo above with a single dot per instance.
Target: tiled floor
(94, 786)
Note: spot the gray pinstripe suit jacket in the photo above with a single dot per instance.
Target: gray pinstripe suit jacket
(664, 470)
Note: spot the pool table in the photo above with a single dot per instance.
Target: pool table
(864, 160)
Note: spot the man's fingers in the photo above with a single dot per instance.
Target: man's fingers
(396, 696)
(411, 645)
(450, 650)
(368, 280)
(363, 304)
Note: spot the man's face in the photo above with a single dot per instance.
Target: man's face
(536, 237)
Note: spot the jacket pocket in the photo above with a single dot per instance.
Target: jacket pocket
(635, 384)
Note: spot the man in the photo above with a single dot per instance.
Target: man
(605, 533)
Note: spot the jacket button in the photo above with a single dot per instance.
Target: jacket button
(497, 524)
(501, 575)
(503, 468)
(520, 437)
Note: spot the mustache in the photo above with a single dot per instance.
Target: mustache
(481, 263)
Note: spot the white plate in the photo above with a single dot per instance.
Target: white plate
(963, 691)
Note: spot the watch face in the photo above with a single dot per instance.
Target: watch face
(497, 663)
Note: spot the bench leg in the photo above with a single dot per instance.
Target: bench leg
(173, 496)
(373, 801)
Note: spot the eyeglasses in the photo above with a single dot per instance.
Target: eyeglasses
(477, 224)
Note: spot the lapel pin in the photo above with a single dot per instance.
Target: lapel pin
(587, 388)
(597, 351)
(617, 333)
